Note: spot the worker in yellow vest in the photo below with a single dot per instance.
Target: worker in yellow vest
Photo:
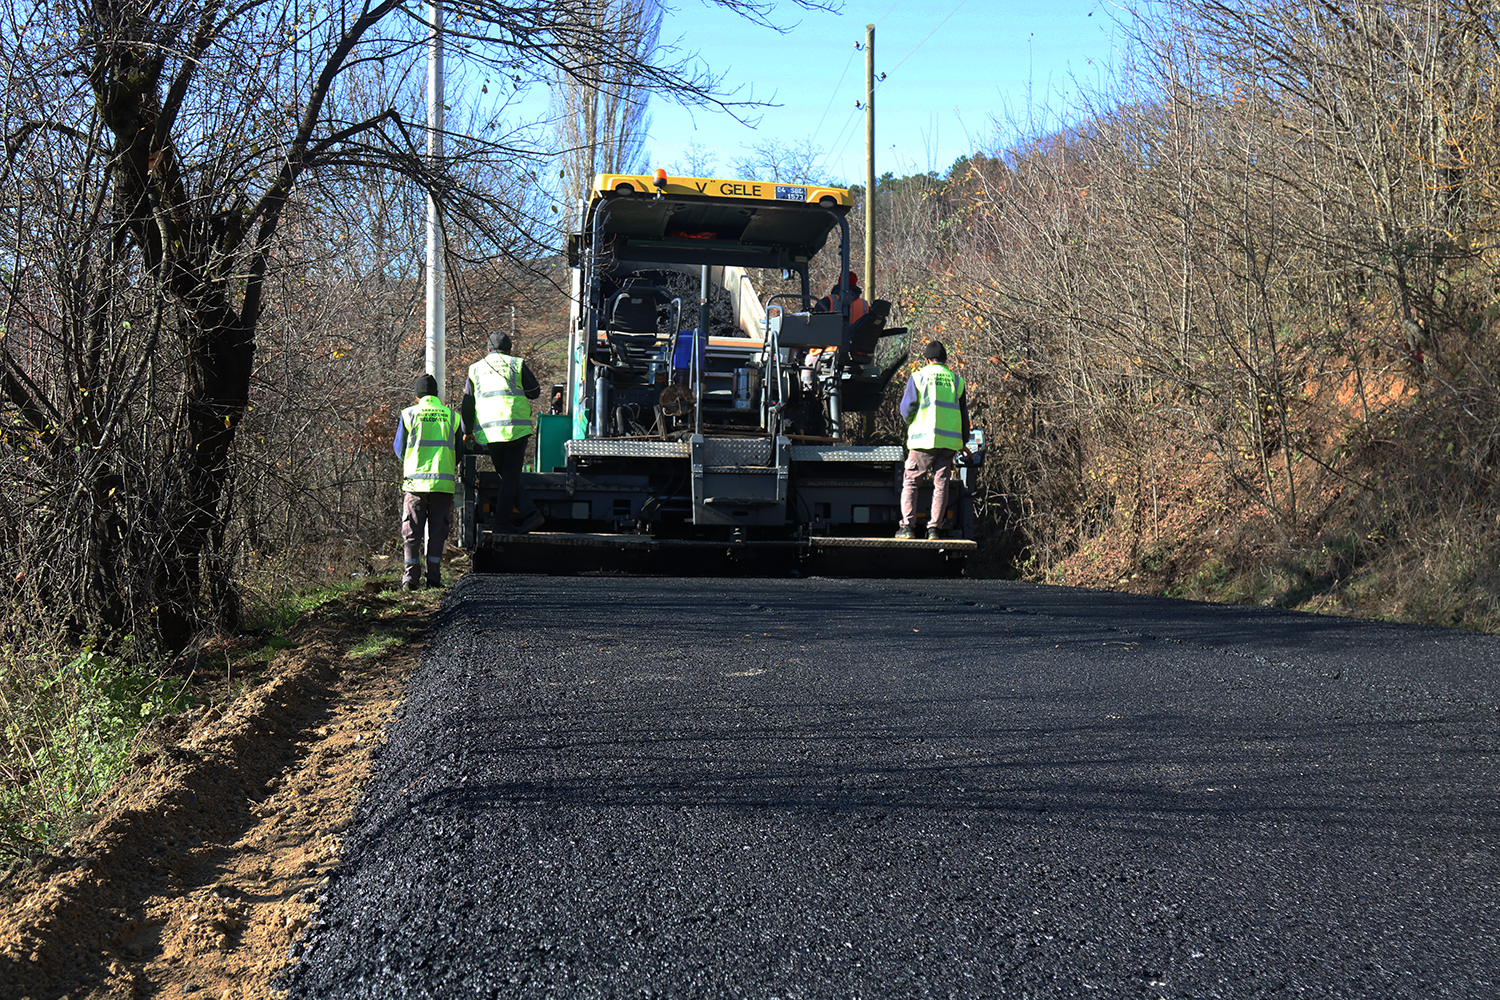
(496, 411)
(426, 443)
(936, 410)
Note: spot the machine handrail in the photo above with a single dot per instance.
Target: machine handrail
(772, 340)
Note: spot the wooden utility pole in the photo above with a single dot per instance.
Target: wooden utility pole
(869, 276)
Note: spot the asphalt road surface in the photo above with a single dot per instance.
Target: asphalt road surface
(611, 787)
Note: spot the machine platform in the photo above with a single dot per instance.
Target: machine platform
(550, 552)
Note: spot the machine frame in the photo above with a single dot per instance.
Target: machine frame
(715, 446)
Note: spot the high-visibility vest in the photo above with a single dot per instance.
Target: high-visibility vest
(937, 421)
(501, 409)
(430, 462)
(857, 308)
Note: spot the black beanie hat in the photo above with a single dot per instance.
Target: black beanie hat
(500, 342)
(936, 352)
(424, 385)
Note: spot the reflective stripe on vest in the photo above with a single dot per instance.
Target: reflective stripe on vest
(501, 410)
(430, 464)
(938, 420)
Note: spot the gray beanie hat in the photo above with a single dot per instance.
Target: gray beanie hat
(500, 342)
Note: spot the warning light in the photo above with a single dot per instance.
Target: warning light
(660, 180)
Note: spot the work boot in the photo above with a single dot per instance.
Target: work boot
(531, 522)
(905, 531)
(933, 534)
(407, 586)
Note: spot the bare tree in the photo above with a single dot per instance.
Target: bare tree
(1269, 248)
(599, 104)
(778, 160)
(697, 161)
(166, 170)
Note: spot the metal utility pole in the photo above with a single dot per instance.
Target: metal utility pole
(437, 345)
(869, 163)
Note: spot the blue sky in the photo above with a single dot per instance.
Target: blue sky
(959, 75)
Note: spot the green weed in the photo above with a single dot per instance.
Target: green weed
(276, 612)
(374, 644)
(1206, 583)
(70, 722)
(69, 730)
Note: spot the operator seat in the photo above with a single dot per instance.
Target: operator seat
(632, 310)
(867, 331)
(630, 323)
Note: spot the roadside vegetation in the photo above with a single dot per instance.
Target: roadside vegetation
(74, 723)
(210, 314)
(1231, 326)
(70, 727)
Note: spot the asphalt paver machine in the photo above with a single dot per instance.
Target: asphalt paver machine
(700, 428)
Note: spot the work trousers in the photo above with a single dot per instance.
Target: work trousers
(509, 458)
(938, 462)
(429, 514)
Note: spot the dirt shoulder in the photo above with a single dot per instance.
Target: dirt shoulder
(205, 866)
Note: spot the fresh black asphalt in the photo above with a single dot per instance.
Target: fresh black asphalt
(809, 788)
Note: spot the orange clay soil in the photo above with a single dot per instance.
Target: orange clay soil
(208, 858)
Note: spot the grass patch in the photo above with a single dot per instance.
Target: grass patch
(374, 644)
(275, 611)
(72, 721)
(1207, 582)
(69, 731)
(250, 657)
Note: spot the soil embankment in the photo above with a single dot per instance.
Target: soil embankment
(206, 863)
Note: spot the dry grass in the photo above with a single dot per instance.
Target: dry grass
(1366, 556)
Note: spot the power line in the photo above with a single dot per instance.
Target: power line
(927, 36)
(835, 95)
(840, 142)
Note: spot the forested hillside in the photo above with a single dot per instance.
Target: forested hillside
(1230, 333)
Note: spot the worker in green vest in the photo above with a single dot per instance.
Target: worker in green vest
(496, 411)
(427, 444)
(936, 410)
